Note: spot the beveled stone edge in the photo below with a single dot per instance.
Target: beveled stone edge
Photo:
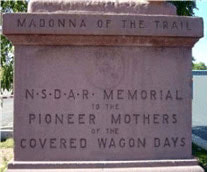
(194, 168)
(81, 40)
(99, 164)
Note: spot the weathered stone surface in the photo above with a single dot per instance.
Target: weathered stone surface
(102, 24)
(103, 84)
(100, 6)
(136, 169)
(109, 166)
(100, 164)
(73, 80)
(101, 40)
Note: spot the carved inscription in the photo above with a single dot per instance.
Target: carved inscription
(101, 23)
(82, 24)
(115, 118)
(119, 94)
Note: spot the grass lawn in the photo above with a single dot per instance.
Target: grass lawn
(6, 154)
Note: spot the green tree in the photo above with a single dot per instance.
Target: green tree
(7, 49)
(199, 66)
(184, 8)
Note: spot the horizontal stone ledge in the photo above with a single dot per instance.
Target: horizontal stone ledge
(99, 164)
(79, 40)
(194, 168)
(102, 24)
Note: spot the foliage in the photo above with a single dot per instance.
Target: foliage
(201, 155)
(184, 8)
(7, 55)
(6, 63)
(199, 66)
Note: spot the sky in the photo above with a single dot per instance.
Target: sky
(200, 50)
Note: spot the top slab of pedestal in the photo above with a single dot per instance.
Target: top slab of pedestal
(102, 17)
(101, 24)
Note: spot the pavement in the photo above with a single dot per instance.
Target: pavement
(7, 112)
(6, 116)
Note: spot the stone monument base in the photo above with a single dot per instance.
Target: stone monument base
(184, 165)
